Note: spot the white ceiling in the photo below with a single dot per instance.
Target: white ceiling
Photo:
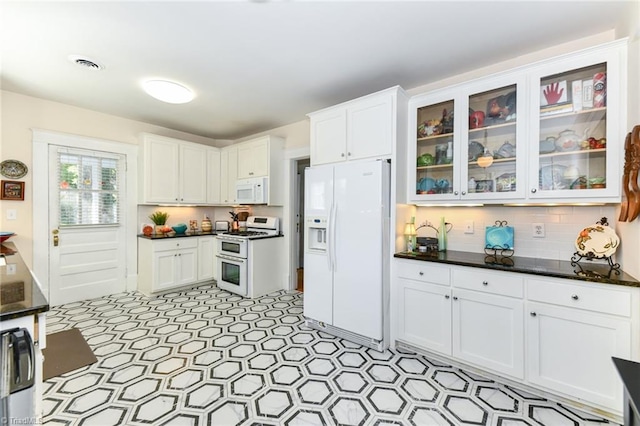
(259, 65)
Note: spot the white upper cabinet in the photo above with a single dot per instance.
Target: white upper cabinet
(253, 159)
(263, 157)
(213, 176)
(228, 174)
(359, 129)
(548, 131)
(172, 171)
(578, 126)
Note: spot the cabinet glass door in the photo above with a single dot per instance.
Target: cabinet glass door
(572, 157)
(491, 170)
(435, 151)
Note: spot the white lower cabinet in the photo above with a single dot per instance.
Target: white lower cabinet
(171, 263)
(424, 315)
(572, 334)
(488, 331)
(206, 258)
(557, 335)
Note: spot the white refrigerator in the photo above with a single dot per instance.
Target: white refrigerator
(346, 257)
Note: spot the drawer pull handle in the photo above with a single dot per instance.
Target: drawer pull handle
(446, 296)
(485, 283)
(455, 297)
(533, 314)
(421, 273)
(575, 297)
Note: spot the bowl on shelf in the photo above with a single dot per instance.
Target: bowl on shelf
(4, 236)
(597, 182)
(180, 228)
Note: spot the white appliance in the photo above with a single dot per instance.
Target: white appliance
(346, 257)
(252, 191)
(250, 263)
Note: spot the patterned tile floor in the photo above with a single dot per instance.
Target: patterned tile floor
(207, 357)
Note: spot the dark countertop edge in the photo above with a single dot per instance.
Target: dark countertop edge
(206, 234)
(18, 310)
(174, 235)
(5, 316)
(476, 260)
(630, 374)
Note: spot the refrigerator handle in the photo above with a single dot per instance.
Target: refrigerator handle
(332, 237)
(329, 237)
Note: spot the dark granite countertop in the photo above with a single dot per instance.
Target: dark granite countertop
(174, 235)
(630, 374)
(583, 271)
(20, 294)
(198, 234)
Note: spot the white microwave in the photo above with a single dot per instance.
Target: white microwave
(252, 191)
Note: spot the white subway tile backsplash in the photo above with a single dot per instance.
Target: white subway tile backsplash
(562, 225)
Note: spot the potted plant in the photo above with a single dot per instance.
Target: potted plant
(160, 220)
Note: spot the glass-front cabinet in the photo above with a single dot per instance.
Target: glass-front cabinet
(467, 145)
(552, 132)
(435, 151)
(577, 113)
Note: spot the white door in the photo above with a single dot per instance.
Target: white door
(86, 224)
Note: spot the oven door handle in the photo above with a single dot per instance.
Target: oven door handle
(231, 259)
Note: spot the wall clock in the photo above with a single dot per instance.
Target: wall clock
(13, 169)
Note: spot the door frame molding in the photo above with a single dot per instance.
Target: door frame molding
(291, 156)
(41, 140)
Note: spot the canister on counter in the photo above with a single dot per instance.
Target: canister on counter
(599, 90)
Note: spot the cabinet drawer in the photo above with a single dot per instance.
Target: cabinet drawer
(606, 300)
(175, 243)
(505, 283)
(424, 271)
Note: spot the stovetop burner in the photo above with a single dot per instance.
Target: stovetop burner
(245, 233)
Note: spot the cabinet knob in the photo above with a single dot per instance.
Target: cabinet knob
(181, 199)
(176, 199)
(533, 190)
(574, 297)
(464, 192)
(446, 296)
(349, 154)
(421, 273)
(533, 314)
(455, 192)
(342, 155)
(455, 297)
(485, 283)
(250, 173)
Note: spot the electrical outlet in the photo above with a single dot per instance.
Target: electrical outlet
(12, 214)
(468, 227)
(537, 230)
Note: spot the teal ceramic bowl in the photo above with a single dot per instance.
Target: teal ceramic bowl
(180, 228)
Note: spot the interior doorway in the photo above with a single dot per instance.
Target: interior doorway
(301, 165)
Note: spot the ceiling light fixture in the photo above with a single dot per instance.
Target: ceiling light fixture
(168, 91)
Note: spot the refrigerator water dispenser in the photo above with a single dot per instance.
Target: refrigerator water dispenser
(316, 234)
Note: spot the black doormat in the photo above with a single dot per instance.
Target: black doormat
(66, 351)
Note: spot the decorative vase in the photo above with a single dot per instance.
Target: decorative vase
(206, 224)
(442, 235)
(158, 229)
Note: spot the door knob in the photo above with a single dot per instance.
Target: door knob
(55, 237)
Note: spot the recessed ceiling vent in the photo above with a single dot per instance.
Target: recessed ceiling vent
(85, 62)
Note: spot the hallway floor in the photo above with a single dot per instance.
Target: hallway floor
(207, 357)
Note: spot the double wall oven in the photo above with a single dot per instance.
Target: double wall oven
(235, 267)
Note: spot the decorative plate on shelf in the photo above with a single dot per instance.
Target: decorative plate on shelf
(13, 169)
(599, 240)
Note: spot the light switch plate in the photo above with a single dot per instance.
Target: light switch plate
(12, 214)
